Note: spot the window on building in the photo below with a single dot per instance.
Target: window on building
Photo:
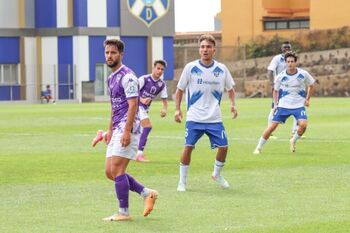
(9, 74)
(282, 24)
(304, 24)
(270, 25)
(101, 74)
(294, 24)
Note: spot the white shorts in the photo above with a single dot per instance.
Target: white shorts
(114, 147)
(143, 113)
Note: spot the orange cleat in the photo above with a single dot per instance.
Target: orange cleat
(150, 200)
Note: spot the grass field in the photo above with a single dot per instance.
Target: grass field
(52, 180)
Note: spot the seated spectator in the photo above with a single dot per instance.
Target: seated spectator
(47, 94)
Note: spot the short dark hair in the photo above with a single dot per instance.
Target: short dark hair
(162, 62)
(119, 44)
(290, 54)
(207, 37)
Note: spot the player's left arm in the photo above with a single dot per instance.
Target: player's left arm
(164, 97)
(310, 81)
(310, 92)
(232, 96)
(229, 84)
(164, 110)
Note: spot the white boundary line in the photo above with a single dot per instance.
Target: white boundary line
(345, 141)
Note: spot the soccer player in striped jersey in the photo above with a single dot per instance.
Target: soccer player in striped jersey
(293, 89)
(150, 86)
(204, 82)
(276, 66)
(123, 133)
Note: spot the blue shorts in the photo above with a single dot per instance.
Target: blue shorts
(215, 131)
(282, 114)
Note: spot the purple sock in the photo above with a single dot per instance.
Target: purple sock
(143, 138)
(135, 186)
(122, 187)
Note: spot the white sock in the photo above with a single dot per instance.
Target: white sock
(124, 211)
(295, 126)
(261, 143)
(139, 152)
(269, 118)
(183, 173)
(296, 137)
(218, 166)
(145, 192)
(104, 134)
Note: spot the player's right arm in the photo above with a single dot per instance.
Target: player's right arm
(275, 100)
(178, 99)
(276, 88)
(109, 133)
(145, 101)
(181, 86)
(271, 70)
(270, 76)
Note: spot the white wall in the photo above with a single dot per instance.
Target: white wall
(9, 14)
(62, 13)
(112, 37)
(30, 60)
(97, 13)
(49, 60)
(81, 61)
(157, 48)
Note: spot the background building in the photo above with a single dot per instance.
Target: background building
(60, 43)
(244, 20)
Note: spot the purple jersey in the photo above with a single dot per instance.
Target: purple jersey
(122, 85)
(150, 88)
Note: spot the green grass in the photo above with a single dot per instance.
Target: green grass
(51, 180)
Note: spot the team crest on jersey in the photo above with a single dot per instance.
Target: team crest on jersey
(284, 79)
(217, 71)
(148, 11)
(300, 77)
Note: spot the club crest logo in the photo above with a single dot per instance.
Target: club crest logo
(148, 11)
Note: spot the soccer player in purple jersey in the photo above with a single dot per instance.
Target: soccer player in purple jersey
(150, 86)
(123, 133)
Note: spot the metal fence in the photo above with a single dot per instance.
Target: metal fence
(30, 82)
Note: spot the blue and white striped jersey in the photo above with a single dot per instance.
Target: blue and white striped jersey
(204, 87)
(293, 88)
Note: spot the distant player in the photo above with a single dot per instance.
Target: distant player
(204, 82)
(292, 92)
(276, 66)
(150, 86)
(123, 133)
